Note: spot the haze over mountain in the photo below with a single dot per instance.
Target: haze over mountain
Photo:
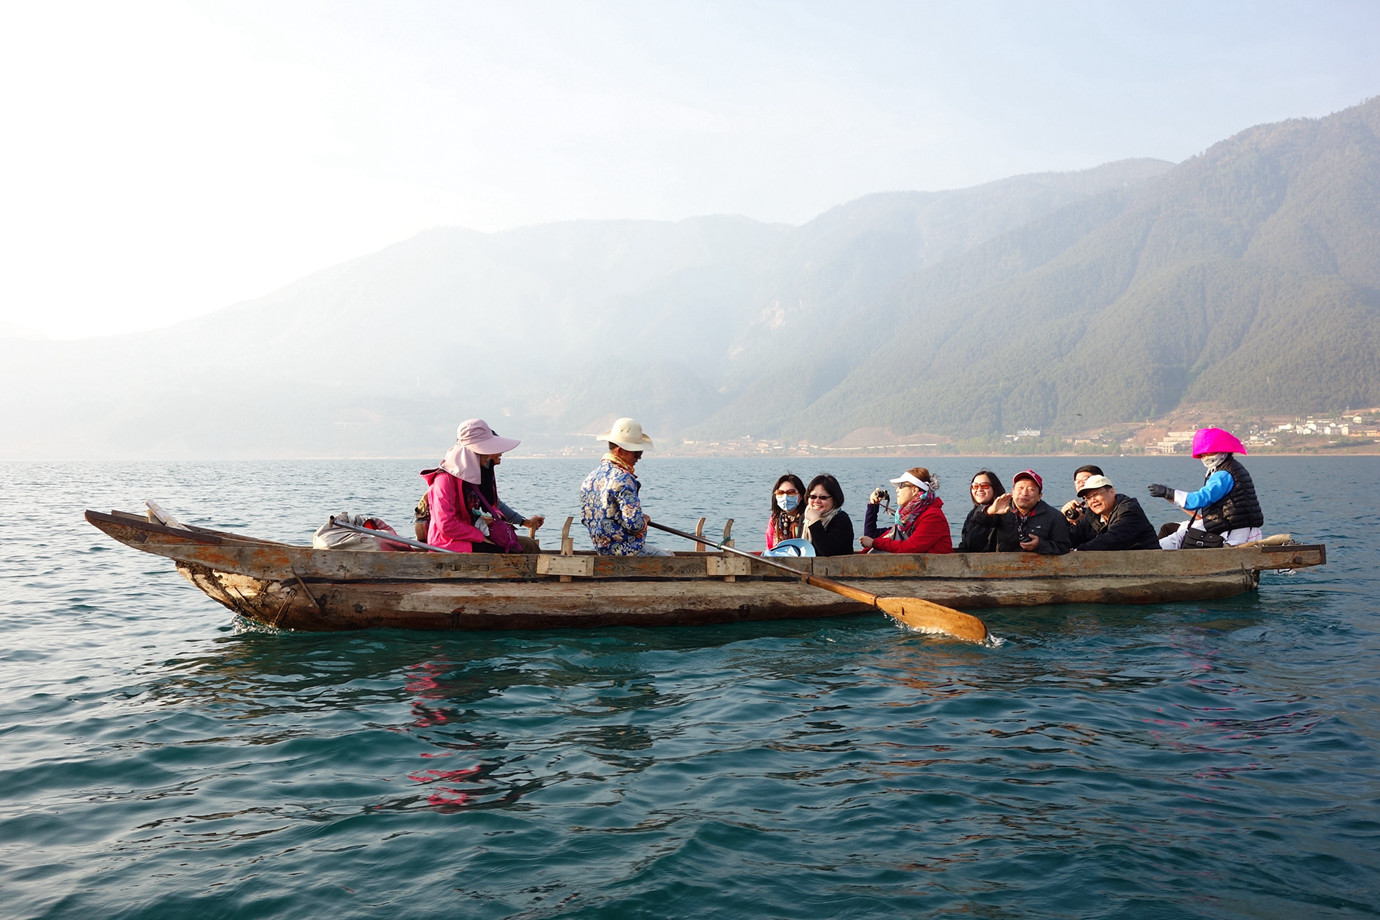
(1246, 277)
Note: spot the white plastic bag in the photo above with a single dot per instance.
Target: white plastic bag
(331, 535)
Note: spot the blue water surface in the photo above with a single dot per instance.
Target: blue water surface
(159, 759)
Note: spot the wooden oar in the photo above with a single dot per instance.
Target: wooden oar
(913, 612)
(385, 535)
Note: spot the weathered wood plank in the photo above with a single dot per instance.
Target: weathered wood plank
(565, 565)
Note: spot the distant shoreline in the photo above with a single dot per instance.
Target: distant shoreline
(1372, 452)
(594, 457)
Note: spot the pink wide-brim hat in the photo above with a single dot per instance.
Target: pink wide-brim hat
(472, 438)
(1216, 441)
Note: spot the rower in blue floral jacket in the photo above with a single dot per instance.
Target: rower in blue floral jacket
(610, 504)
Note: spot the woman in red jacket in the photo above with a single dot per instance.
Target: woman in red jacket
(919, 525)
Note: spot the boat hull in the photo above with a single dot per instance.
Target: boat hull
(295, 587)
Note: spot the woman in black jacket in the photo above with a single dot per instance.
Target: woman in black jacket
(976, 537)
(827, 525)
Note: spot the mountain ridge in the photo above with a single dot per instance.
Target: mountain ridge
(1246, 275)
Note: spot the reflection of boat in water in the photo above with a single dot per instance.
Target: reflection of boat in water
(298, 587)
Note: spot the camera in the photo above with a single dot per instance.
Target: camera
(1077, 510)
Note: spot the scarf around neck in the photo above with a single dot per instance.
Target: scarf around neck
(909, 513)
(823, 519)
(611, 457)
(787, 525)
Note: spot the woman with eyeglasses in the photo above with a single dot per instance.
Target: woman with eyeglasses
(787, 521)
(919, 525)
(827, 526)
(975, 538)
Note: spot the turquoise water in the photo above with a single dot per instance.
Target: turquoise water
(157, 759)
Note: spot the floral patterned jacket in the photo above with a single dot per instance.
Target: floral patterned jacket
(611, 510)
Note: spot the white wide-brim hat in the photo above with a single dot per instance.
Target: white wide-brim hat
(627, 434)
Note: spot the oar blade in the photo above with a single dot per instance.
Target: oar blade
(927, 616)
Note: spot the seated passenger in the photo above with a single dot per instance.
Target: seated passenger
(1080, 524)
(1024, 522)
(1226, 504)
(787, 520)
(488, 486)
(1115, 521)
(457, 516)
(827, 526)
(918, 524)
(976, 537)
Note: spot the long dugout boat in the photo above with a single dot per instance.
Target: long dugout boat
(301, 588)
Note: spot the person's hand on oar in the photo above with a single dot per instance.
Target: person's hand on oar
(913, 612)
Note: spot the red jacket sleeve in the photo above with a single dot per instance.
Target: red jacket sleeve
(931, 535)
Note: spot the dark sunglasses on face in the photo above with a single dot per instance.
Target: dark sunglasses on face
(820, 498)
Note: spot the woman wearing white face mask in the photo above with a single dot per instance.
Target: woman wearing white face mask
(787, 510)
(1226, 505)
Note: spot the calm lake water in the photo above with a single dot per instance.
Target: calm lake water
(157, 759)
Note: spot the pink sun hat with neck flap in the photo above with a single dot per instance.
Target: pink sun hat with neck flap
(1216, 441)
(473, 438)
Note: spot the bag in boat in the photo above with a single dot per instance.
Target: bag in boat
(793, 547)
(500, 532)
(331, 535)
(504, 536)
(1201, 539)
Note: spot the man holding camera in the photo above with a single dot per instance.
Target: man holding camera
(1080, 522)
(1111, 521)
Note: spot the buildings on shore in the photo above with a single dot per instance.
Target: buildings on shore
(1355, 432)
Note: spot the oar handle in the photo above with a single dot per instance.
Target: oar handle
(385, 535)
(737, 552)
(815, 581)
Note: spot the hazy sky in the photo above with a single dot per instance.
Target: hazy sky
(165, 159)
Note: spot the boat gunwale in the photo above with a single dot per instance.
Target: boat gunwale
(264, 558)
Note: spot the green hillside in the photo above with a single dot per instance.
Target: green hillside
(1245, 277)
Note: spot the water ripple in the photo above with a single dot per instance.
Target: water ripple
(158, 759)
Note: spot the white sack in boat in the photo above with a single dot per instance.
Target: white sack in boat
(331, 535)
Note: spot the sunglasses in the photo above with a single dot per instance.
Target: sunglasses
(979, 486)
(821, 498)
(788, 492)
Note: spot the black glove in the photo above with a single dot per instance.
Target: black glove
(1159, 491)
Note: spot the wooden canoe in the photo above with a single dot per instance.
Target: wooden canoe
(301, 588)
